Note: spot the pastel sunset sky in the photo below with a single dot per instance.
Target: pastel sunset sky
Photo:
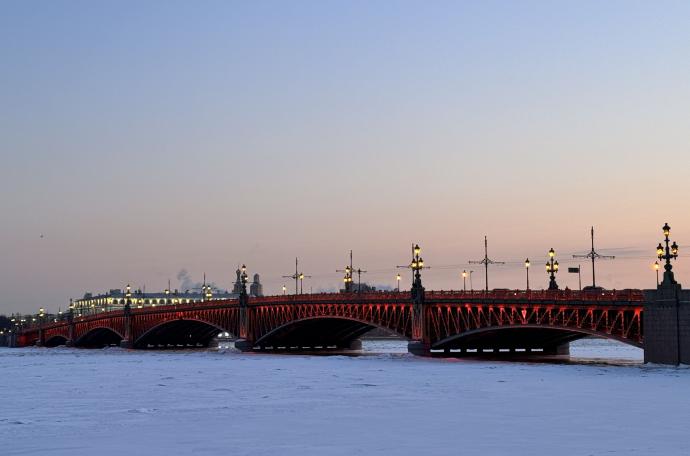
(142, 138)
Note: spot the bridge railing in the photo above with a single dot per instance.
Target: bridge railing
(546, 295)
(332, 297)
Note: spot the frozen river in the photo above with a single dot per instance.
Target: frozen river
(76, 402)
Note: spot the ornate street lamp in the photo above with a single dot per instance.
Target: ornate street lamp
(397, 279)
(347, 279)
(417, 264)
(244, 278)
(284, 290)
(464, 280)
(128, 296)
(667, 253)
(552, 269)
(527, 264)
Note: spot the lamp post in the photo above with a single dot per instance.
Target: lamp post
(552, 269)
(486, 262)
(298, 277)
(284, 290)
(244, 331)
(417, 265)
(347, 279)
(464, 280)
(397, 279)
(417, 295)
(527, 264)
(471, 286)
(128, 295)
(656, 268)
(667, 253)
(244, 278)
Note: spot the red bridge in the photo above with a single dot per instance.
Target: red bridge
(441, 322)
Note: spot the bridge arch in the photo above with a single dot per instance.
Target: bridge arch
(318, 331)
(99, 337)
(183, 332)
(56, 341)
(523, 336)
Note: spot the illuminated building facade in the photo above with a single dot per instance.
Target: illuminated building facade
(117, 299)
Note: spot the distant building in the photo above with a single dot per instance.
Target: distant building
(256, 289)
(116, 299)
(357, 288)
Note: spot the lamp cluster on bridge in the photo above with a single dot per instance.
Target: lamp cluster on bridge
(667, 253)
(552, 269)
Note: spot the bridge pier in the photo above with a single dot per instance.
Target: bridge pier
(124, 343)
(419, 348)
(354, 345)
(667, 325)
(244, 345)
(560, 350)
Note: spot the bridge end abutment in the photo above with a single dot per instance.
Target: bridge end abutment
(667, 325)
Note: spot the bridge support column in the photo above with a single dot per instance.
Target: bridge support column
(70, 329)
(667, 325)
(419, 345)
(127, 341)
(245, 342)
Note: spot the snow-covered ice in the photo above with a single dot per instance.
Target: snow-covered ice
(65, 401)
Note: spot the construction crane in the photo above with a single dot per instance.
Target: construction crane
(593, 255)
(486, 262)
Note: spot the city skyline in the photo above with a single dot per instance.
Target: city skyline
(138, 142)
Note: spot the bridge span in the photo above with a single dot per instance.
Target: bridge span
(443, 323)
